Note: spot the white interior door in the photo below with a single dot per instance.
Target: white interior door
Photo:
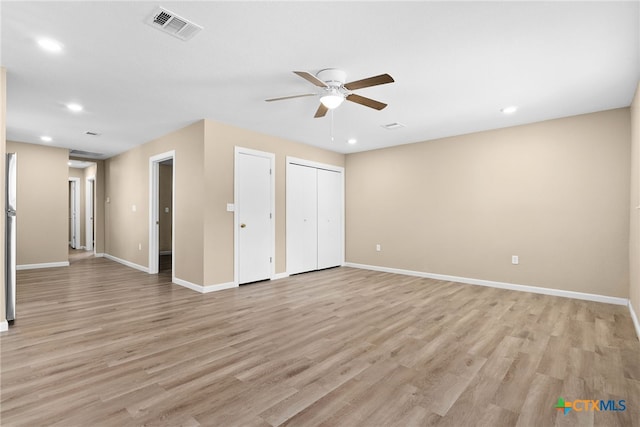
(302, 219)
(254, 217)
(329, 218)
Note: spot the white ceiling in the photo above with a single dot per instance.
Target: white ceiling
(455, 65)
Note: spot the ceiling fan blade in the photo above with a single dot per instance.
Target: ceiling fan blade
(311, 78)
(290, 97)
(371, 81)
(322, 110)
(367, 102)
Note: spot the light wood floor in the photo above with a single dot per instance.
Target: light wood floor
(99, 344)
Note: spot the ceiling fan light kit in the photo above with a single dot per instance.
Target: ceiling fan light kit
(332, 99)
(335, 90)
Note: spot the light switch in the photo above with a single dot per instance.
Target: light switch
(230, 207)
(166, 210)
(133, 208)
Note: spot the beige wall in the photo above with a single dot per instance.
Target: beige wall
(204, 173)
(220, 143)
(634, 232)
(42, 203)
(166, 191)
(3, 141)
(127, 184)
(554, 193)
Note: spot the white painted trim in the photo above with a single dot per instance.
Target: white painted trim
(312, 164)
(634, 317)
(4, 325)
(42, 265)
(279, 276)
(272, 162)
(127, 263)
(501, 285)
(99, 255)
(154, 239)
(204, 289)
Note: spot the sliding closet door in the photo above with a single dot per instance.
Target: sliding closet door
(329, 218)
(302, 225)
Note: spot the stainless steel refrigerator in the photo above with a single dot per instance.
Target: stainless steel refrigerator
(10, 250)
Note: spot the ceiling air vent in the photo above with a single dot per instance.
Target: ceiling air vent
(392, 126)
(170, 23)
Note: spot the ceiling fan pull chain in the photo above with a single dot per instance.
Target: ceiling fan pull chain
(331, 125)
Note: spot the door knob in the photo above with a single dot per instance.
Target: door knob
(243, 225)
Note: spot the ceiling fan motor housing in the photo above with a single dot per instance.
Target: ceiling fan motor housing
(332, 77)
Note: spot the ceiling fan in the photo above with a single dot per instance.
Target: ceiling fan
(334, 90)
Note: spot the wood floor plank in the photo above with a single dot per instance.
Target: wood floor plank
(101, 344)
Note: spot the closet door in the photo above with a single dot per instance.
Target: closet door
(302, 224)
(329, 218)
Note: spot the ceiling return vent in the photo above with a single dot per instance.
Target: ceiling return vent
(170, 23)
(85, 154)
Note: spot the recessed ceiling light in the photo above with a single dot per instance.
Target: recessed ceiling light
(509, 110)
(74, 107)
(352, 140)
(46, 138)
(50, 45)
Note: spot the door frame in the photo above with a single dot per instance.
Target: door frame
(317, 165)
(74, 196)
(90, 224)
(154, 211)
(272, 184)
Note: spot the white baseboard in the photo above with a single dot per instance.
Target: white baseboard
(279, 276)
(99, 255)
(634, 317)
(204, 289)
(42, 265)
(127, 263)
(501, 285)
(4, 325)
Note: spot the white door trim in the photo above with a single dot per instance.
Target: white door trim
(317, 165)
(75, 189)
(271, 157)
(303, 162)
(89, 213)
(154, 238)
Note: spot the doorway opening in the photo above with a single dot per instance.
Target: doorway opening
(161, 218)
(74, 213)
(82, 209)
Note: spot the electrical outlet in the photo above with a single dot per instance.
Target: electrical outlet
(378, 248)
(515, 259)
